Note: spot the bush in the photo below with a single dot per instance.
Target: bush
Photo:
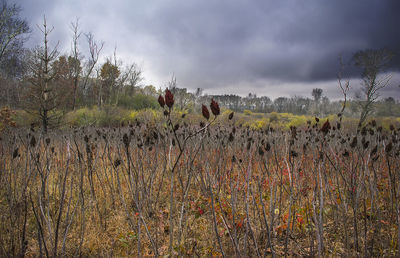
(138, 102)
(247, 112)
(273, 117)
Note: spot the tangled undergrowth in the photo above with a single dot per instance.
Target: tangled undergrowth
(200, 190)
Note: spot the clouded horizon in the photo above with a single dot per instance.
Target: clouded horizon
(272, 48)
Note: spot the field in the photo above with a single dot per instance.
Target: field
(216, 188)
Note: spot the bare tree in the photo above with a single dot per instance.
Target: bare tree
(43, 96)
(11, 27)
(76, 65)
(94, 53)
(372, 62)
(343, 87)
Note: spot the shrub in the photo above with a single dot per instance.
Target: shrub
(138, 102)
(247, 112)
(273, 117)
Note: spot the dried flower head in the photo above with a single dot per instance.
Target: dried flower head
(204, 111)
(389, 147)
(353, 143)
(125, 140)
(231, 116)
(117, 162)
(214, 108)
(15, 153)
(33, 141)
(326, 127)
(169, 98)
(161, 101)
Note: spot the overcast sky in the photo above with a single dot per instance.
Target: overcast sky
(274, 48)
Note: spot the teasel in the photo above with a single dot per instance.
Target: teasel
(316, 119)
(204, 111)
(231, 115)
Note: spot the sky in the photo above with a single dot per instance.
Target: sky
(270, 48)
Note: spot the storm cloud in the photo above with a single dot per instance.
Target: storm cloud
(266, 47)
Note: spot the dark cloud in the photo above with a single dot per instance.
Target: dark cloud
(237, 46)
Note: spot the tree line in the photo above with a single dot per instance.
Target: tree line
(47, 83)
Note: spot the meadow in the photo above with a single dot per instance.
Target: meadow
(217, 185)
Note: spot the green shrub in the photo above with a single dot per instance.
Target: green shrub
(138, 102)
(247, 112)
(273, 117)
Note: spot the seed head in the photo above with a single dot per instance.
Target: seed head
(161, 101)
(326, 127)
(125, 140)
(15, 153)
(389, 147)
(33, 141)
(117, 162)
(353, 143)
(374, 150)
(204, 111)
(169, 98)
(214, 108)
